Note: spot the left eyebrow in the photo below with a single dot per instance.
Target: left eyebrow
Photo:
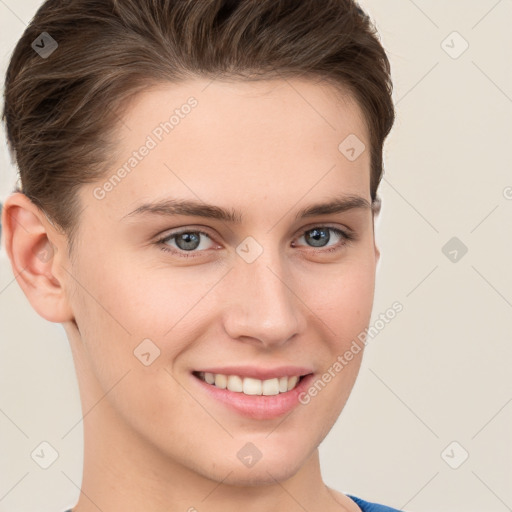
(337, 205)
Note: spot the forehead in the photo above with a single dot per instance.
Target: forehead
(267, 140)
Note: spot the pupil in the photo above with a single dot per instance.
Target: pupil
(317, 235)
(187, 241)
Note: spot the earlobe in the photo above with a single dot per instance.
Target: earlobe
(32, 246)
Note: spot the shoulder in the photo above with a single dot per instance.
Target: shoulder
(367, 506)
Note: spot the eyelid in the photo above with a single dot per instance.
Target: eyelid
(203, 230)
(309, 227)
(167, 235)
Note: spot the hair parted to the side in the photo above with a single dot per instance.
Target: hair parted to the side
(61, 112)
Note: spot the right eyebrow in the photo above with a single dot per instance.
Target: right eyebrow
(170, 207)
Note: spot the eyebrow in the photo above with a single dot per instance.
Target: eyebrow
(171, 207)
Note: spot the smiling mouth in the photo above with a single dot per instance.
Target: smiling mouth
(249, 385)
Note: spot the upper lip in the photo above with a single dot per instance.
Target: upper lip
(259, 372)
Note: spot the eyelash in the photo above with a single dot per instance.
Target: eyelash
(346, 236)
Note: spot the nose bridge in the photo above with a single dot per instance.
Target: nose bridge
(265, 307)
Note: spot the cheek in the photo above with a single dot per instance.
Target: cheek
(143, 302)
(342, 294)
(123, 315)
(140, 321)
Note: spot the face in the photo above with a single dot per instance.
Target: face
(268, 290)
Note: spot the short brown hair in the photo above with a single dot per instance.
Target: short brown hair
(61, 111)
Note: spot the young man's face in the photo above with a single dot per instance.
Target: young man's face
(267, 296)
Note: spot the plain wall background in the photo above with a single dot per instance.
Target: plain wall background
(440, 371)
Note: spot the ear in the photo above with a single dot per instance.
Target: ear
(36, 250)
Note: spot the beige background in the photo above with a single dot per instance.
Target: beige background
(440, 371)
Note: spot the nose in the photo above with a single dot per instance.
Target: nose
(263, 307)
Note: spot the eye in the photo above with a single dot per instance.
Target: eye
(320, 236)
(184, 242)
(191, 243)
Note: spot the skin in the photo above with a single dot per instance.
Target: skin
(152, 440)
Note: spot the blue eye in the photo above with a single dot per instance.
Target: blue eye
(186, 241)
(320, 236)
(189, 243)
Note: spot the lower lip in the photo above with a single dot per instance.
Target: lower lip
(258, 407)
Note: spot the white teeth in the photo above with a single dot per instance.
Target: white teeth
(250, 386)
(235, 383)
(270, 387)
(292, 382)
(221, 381)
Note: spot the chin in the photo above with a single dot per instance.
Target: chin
(259, 476)
(277, 464)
